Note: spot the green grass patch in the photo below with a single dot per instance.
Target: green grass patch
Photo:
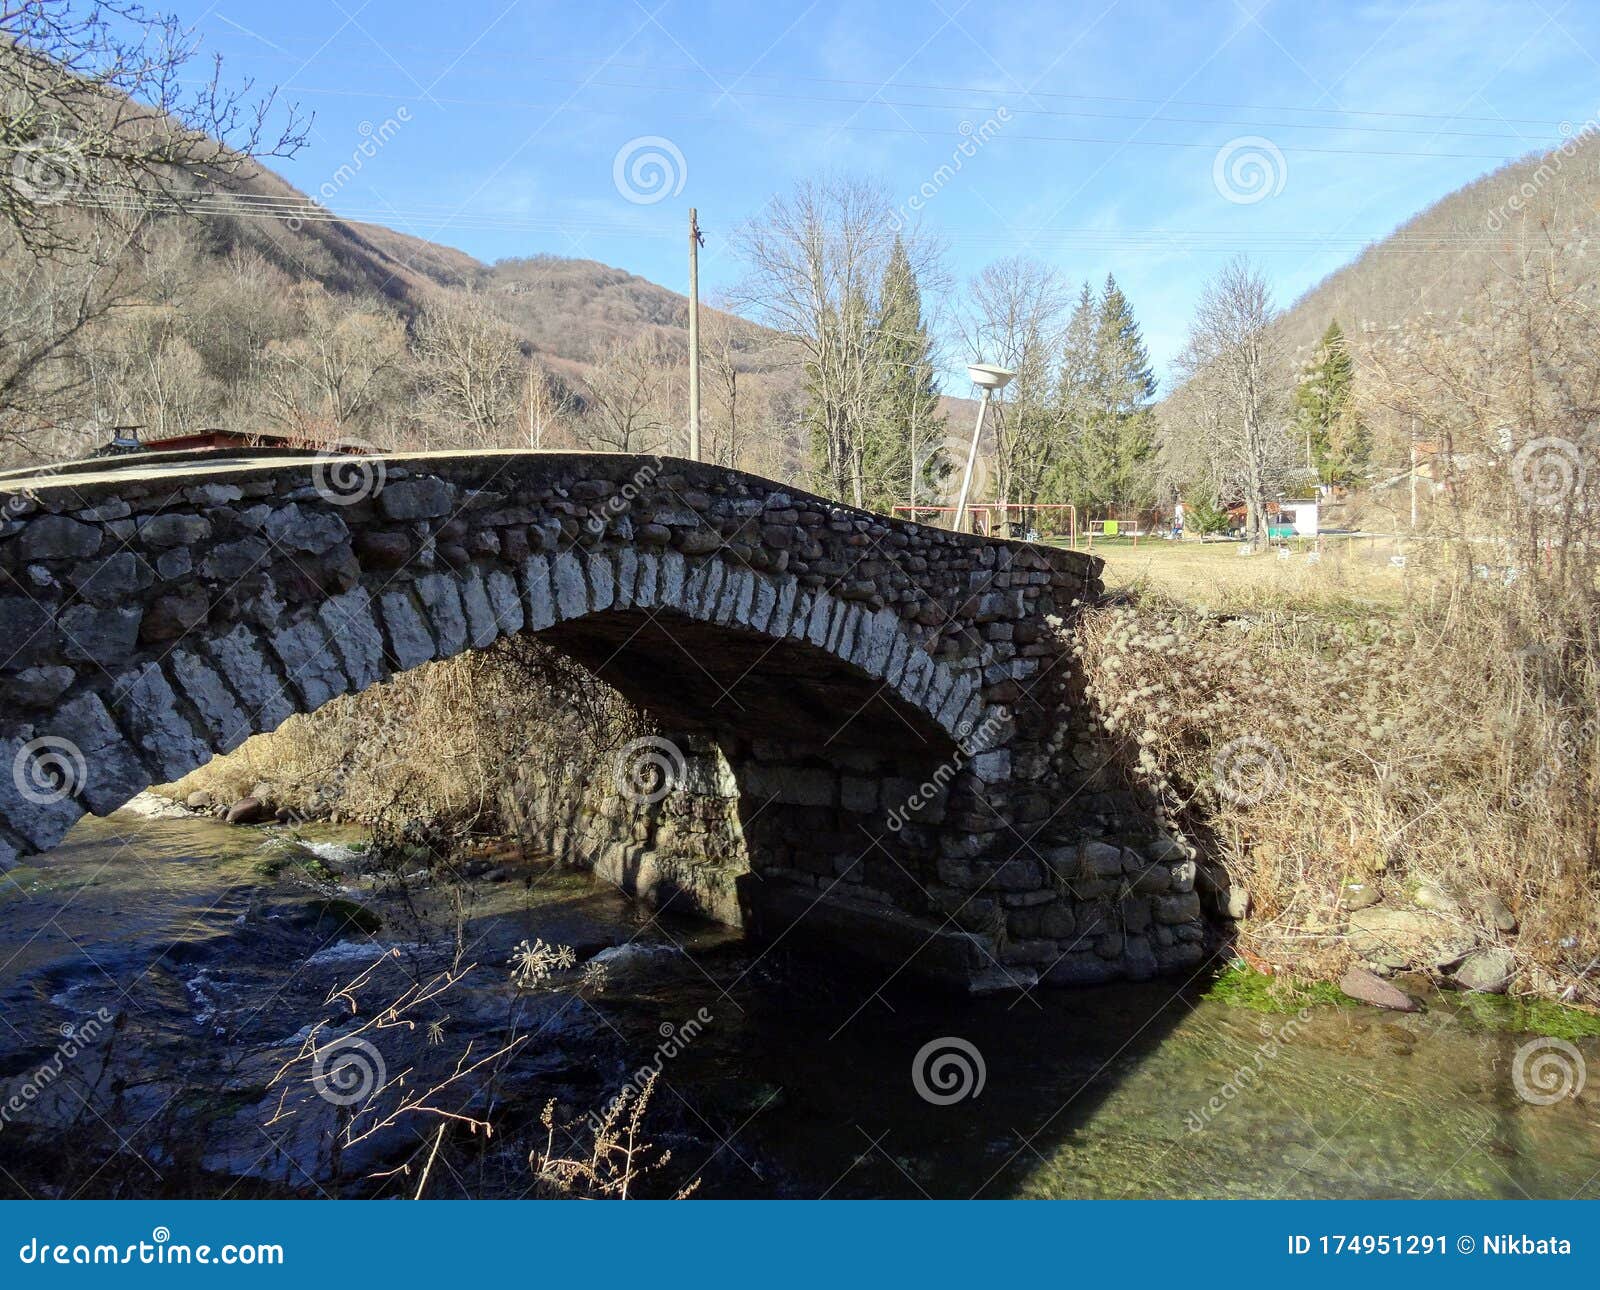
(1525, 1016)
(1240, 986)
(288, 858)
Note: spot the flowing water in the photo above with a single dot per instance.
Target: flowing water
(162, 972)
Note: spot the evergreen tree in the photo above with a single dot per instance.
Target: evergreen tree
(1076, 398)
(1114, 441)
(1338, 444)
(905, 431)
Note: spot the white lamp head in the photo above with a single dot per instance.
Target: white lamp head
(989, 377)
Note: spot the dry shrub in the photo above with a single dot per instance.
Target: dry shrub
(1451, 742)
(440, 744)
(1452, 739)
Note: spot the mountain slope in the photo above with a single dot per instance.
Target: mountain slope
(1437, 261)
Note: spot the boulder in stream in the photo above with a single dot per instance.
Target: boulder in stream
(1487, 971)
(247, 810)
(1365, 987)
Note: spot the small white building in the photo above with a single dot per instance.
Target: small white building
(1301, 516)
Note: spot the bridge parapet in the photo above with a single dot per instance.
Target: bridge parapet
(888, 707)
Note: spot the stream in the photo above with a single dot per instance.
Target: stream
(160, 975)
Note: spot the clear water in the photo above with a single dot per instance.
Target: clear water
(216, 946)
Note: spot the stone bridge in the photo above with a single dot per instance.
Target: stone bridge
(869, 729)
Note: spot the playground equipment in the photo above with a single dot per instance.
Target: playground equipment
(990, 519)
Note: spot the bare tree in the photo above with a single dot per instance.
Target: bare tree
(146, 373)
(48, 316)
(547, 410)
(1014, 318)
(629, 397)
(470, 372)
(727, 345)
(334, 376)
(1233, 366)
(99, 108)
(816, 259)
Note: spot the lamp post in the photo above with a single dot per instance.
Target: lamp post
(988, 378)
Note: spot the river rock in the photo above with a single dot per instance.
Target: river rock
(1435, 898)
(247, 810)
(1364, 987)
(1487, 971)
(1495, 910)
(1396, 938)
(199, 800)
(1359, 895)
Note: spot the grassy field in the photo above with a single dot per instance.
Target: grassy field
(1358, 569)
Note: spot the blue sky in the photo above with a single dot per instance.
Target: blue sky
(1149, 140)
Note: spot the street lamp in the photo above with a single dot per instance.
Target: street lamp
(988, 378)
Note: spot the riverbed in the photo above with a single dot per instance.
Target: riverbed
(164, 972)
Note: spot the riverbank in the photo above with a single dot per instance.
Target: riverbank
(1392, 767)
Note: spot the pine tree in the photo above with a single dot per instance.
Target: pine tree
(906, 430)
(1115, 443)
(1338, 444)
(1076, 398)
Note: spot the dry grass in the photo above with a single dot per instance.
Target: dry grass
(1351, 568)
(441, 745)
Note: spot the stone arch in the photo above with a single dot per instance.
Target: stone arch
(161, 718)
(152, 616)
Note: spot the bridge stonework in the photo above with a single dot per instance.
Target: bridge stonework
(870, 730)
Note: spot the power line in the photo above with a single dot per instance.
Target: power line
(302, 210)
(735, 77)
(990, 108)
(996, 137)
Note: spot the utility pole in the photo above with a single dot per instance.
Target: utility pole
(695, 241)
(1413, 472)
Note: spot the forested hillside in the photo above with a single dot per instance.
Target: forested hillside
(1440, 261)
